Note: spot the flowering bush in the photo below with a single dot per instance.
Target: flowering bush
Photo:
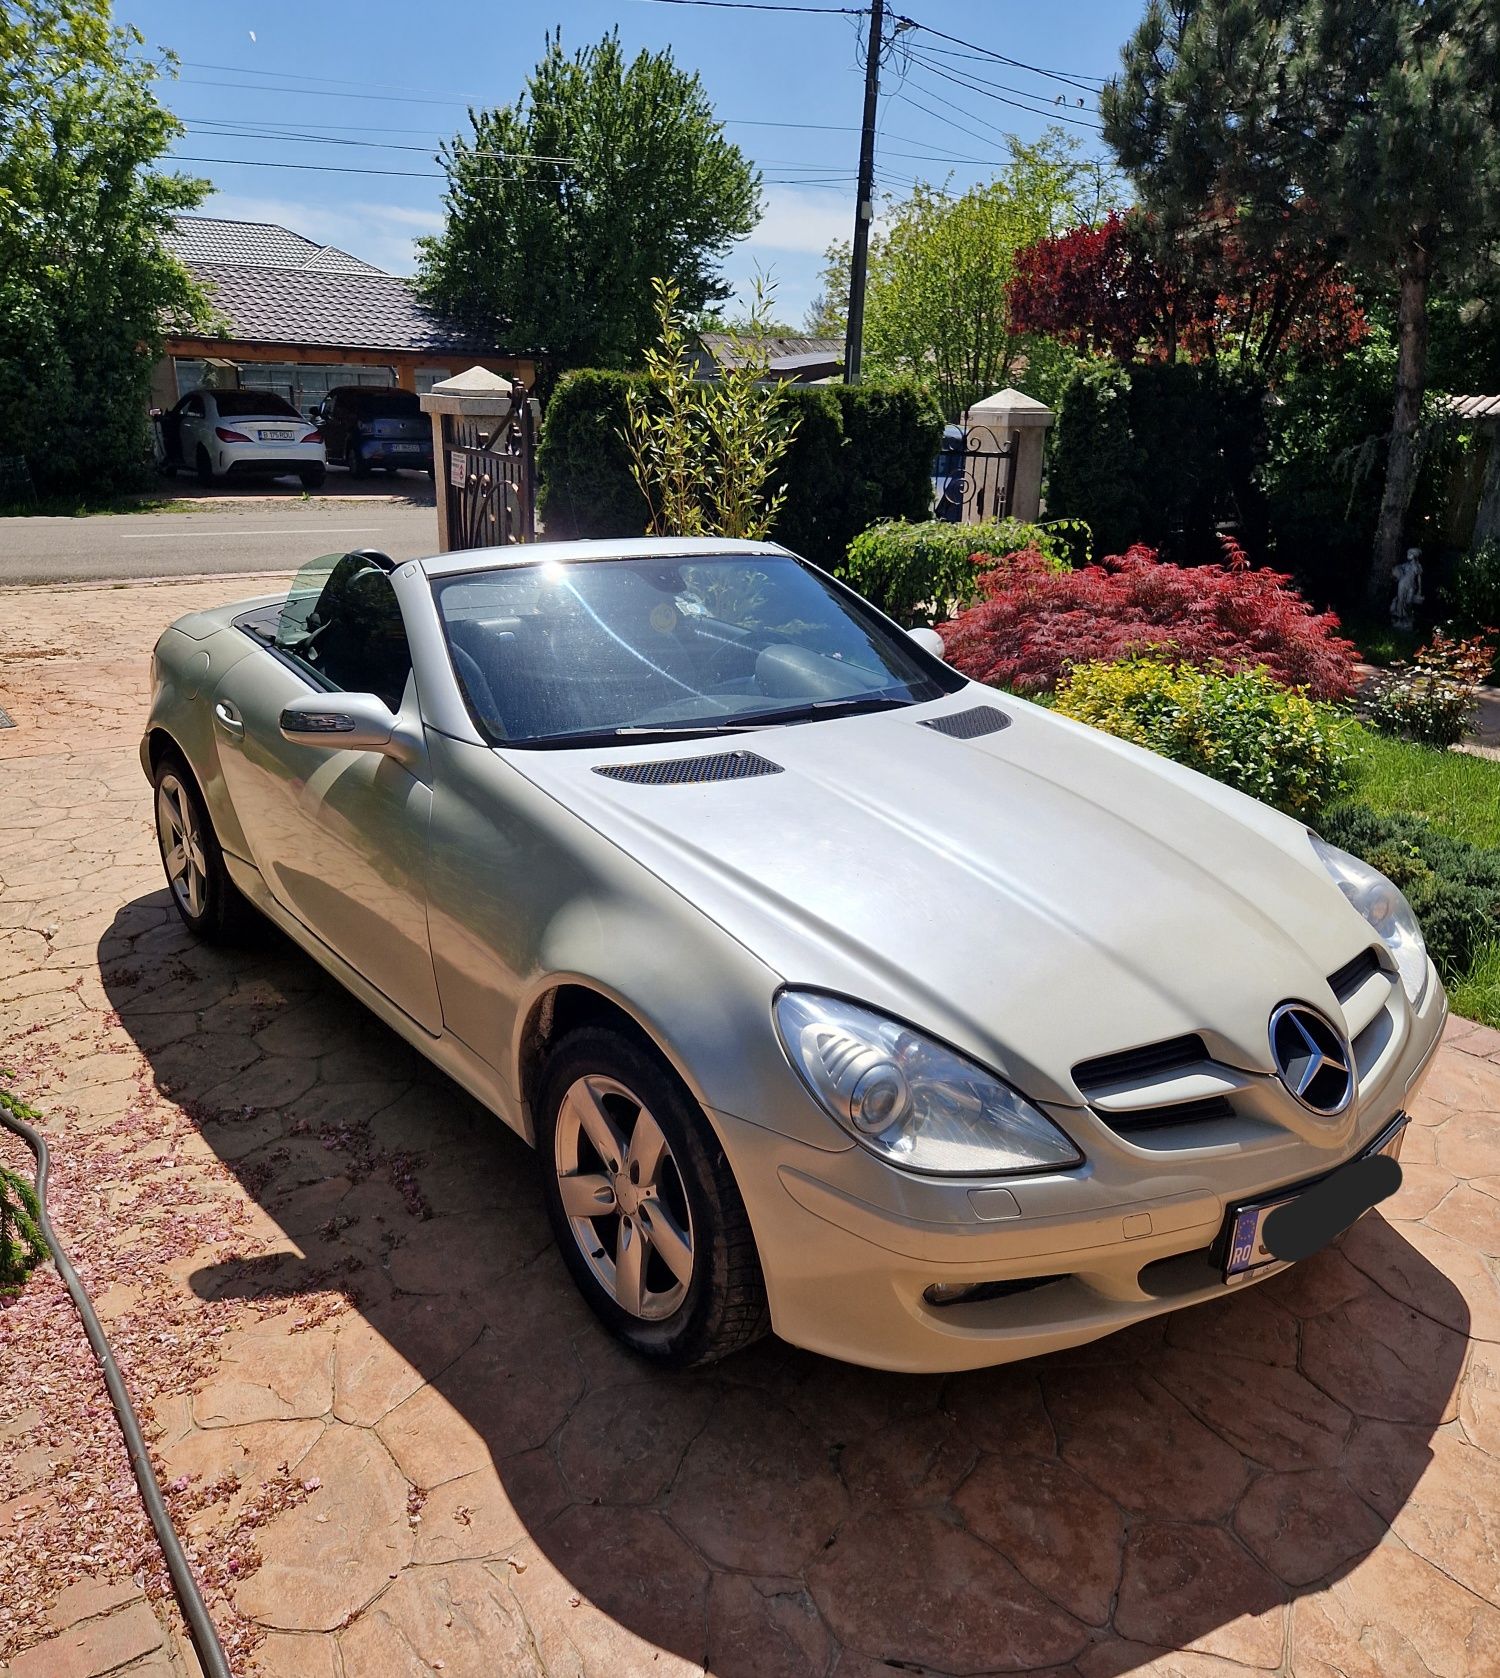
(1431, 699)
(1032, 622)
(1245, 730)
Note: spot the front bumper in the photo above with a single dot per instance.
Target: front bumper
(849, 1246)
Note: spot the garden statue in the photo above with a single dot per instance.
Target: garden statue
(1408, 589)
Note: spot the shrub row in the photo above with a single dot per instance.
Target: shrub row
(1159, 454)
(1032, 622)
(1453, 886)
(862, 453)
(908, 569)
(1245, 730)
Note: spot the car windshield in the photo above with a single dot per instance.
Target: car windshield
(555, 654)
(386, 404)
(245, 403)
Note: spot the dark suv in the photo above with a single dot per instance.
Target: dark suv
(365, 426)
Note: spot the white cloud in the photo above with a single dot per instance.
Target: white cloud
(802, 219)
(380, 233)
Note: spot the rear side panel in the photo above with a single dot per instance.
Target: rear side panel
(188, 664)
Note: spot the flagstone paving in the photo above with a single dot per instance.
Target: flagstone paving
(398, 1444)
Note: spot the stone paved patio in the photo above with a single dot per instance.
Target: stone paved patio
(400, 1446)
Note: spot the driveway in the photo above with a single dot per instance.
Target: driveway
(223, 534)
(400, 1445)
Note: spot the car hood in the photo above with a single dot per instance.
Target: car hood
(1039, 895)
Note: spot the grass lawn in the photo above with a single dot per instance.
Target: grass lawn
(82, 507)
(1452, 790)
(1455, 792)
(1477, 994)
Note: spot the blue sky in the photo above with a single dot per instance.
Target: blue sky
(281, 82)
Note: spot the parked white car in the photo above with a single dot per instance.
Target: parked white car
(240, 434)
(836, 991)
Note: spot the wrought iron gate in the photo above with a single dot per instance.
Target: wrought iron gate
(980, 481)
(489, 477)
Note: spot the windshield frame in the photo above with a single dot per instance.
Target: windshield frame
(943, 679)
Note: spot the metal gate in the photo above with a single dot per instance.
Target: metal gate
(980, 480)
(489, 476)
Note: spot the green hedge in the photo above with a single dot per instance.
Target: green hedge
(862, 453)
(1160, 454)
(909, 569)
(1453, 886)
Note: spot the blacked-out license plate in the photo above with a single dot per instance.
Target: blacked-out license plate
(1245, 1249)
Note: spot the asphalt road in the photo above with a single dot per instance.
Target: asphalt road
(225, 536)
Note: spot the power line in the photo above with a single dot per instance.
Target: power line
(1001, 99)
(1001, 58)
(760, 6)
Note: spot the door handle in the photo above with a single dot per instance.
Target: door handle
(229, 718)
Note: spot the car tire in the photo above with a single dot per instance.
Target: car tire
(205, 466)
(212, 907)
(682, 1203)
(353, 460)
(313, 476)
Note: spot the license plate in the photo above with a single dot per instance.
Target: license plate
(407, 448)
(276, 436)
(1245, 1250)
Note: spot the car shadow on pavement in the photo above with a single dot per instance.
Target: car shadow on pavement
(1207, 1480)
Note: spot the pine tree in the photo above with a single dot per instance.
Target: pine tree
(1367, 129)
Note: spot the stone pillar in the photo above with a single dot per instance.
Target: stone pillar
(477, 395)
(1011, 416)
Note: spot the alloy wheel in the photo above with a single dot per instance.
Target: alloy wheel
(623, 1196)
(181, 846)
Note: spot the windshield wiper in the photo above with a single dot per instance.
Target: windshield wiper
(751, 722)
(849, 707)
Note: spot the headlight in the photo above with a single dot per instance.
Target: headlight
(910, 1100)
(1383, 906)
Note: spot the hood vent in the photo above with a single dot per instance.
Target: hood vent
(689, 771)
(1155, 1060)
(969, 725)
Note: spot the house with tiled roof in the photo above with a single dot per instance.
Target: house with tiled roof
(300, 318)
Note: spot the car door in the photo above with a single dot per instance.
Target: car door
(190, 415)
(340, 837)
(336, 424)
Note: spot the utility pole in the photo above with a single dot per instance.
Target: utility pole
(864, 209)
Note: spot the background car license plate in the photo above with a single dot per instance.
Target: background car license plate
(407, 448)
(275, 436)
(1246, 1251)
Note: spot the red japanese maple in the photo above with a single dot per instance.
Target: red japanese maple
(1032, 622)
(1128, 289)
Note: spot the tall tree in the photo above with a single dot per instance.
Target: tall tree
(1367, 129)
(87, 285)
(940, 268)
(606, 174)
(1133, 290)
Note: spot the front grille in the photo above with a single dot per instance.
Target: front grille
(1155, 1060)
(970, 724)
(689, 771)
(1164, 1118)
(1353, 974)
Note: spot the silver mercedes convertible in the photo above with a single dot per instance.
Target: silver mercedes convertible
(839, 995)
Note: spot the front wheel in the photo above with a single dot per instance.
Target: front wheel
(209, 902)
(643, 1204)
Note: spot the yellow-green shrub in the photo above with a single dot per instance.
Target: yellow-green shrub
(1245, 730)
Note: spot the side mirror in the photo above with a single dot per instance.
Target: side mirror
(928, 640)
(341, 722)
